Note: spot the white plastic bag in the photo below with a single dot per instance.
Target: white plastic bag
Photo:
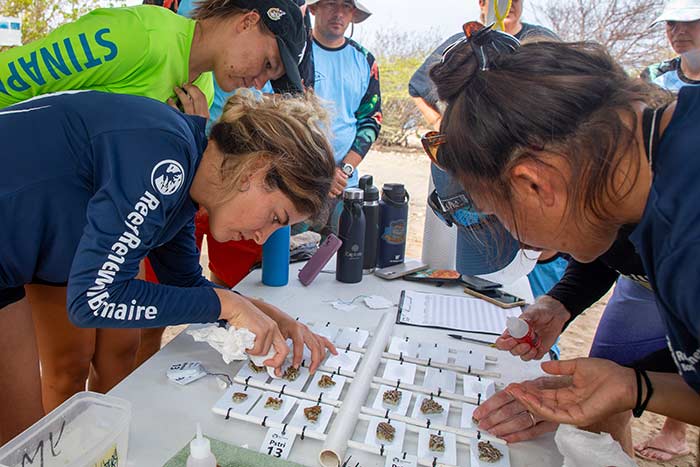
(585, 449)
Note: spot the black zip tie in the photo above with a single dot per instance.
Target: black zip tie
(469, 370)
(427, 423)
(381, 451)
(431, 396)
(357, 329)
(319, 399)
(284, 429)
(335, 372)
(386, 415)
(328, 323)
(439, 392)
(345, 464)
(404, 455)
(398, 383)
(478, 434)
(470, 352)
(228, 413)
(264, 421)
(297, 318)
(303, 430)
(478, 399)
(478, 378)
(430, 360)
(439, 432)
(401, 358)
(282, 390)
(246, 383)
(347, 348)
(339, 368)
(434, 462)
(303, 363)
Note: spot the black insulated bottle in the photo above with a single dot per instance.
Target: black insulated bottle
(370, 207)
(351, 231)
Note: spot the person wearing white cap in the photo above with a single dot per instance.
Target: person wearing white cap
(682, 18)
(347, 76)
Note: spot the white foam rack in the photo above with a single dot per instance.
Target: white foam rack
(353, 405)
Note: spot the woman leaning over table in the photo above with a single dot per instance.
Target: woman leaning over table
(97, 193)
(564, 166)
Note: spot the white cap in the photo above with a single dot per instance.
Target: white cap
(517, 327)
(679, 10)
(361, 11)
(200, 447)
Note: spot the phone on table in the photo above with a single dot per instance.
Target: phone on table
(400, 270)
(497, 297)
(435, 276)
(324, 254)
(479, 284)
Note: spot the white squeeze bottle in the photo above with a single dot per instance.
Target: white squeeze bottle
(200, 451)
(521, 331)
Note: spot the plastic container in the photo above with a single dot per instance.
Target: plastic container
(200, 451)
(86, 430)
(521, 331)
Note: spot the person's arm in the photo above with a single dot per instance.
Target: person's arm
(592, 389)
(368, 115)
(430, 114)
(582, 285)
(124, 219)
(102, 47)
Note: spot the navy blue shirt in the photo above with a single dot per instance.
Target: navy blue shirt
(668, 236)
(91, 184)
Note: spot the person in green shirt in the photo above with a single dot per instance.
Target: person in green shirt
(149, 51)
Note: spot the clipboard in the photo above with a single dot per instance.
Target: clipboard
(452, 312)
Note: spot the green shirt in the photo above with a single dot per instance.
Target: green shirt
(142, 50)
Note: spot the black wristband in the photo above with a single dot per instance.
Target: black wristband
(641, 406)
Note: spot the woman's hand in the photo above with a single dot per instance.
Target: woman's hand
(586, 391)
(507, 418)
(191, 100)
(241, 313)
(547, 317)
(300, 335)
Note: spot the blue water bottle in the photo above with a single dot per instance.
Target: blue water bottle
(275, 258)
(393, 225)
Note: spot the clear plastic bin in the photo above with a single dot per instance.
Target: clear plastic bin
(89, 429)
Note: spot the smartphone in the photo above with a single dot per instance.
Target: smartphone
(479, 284)
(497, 297)
(400, 270)
(325, 252)
(434, 276)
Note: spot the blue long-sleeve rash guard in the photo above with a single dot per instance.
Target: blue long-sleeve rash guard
(91, 184)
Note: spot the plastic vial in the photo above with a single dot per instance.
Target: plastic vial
(521, 331)
(200, 451)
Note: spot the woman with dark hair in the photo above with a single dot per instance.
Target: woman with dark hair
(569, 152)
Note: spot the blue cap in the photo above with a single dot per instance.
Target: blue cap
(483, 244)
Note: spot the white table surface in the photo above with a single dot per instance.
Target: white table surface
(164, 414)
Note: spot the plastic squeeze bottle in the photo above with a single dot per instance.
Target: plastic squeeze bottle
(200, 451)
(521, 331)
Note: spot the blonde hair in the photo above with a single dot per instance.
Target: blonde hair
(284, 134)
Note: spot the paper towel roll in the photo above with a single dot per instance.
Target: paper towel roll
(439, 240)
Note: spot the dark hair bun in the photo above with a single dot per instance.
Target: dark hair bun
(455, 71)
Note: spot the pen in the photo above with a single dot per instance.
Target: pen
(469, 339)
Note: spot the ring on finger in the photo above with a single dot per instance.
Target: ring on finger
(532, 418)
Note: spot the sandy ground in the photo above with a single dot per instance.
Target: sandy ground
(412, 169)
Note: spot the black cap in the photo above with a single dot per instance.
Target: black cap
(371, 191)
(395, 192)
(283, 18)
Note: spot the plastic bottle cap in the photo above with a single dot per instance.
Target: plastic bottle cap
(353, 194)
(517, 327)
(371, 191)
(200, 447)
(395, 192)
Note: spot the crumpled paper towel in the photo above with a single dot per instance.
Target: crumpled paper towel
(231, 343)
(585, 449)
